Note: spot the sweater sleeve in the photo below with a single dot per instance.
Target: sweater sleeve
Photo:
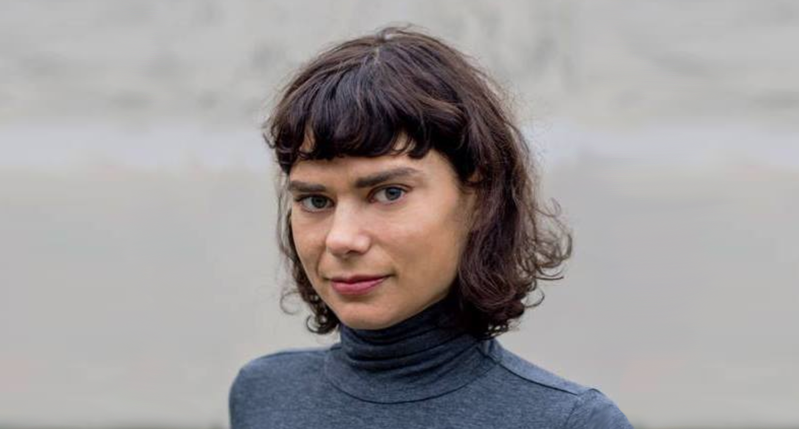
(594, 410)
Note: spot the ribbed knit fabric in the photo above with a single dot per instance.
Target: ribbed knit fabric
(419, 373)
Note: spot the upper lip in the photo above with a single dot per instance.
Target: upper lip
(355, 278)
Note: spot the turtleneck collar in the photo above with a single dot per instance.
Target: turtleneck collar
(419, 358)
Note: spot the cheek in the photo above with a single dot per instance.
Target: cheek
(430, 243)
(306, 242)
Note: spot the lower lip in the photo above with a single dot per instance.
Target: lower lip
(358, 288)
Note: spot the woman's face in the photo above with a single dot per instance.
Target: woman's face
(389, 217)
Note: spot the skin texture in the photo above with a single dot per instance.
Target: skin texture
(412, 228)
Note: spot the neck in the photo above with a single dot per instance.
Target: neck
(423, 356)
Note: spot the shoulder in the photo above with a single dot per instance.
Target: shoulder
(536, 375)
(576, 405)
(594, 410)
(275, 379)
(265, 373)
(288, 362)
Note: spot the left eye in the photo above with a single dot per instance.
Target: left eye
(392, 193)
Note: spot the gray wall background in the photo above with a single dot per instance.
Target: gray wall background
(138, 265)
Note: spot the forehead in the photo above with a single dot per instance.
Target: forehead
(363, 172)
(349, 169)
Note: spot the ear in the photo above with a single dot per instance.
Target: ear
(475, 178)
(470, 198)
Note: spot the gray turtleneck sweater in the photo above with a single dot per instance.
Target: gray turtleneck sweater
(415, 374)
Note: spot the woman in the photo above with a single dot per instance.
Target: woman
(414, 232)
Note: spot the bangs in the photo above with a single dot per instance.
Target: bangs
(356, 114)
(363, 106)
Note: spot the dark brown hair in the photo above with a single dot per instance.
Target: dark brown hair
(358, 97)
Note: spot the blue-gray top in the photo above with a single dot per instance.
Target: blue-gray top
(415, 374)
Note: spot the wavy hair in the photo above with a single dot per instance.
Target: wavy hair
(358, 97)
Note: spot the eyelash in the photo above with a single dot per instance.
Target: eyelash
(301, 198)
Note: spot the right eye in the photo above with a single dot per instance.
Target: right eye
(313, 203)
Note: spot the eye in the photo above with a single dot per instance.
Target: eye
(313, 203)
(392, 193)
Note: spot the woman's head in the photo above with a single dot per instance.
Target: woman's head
(458, 217)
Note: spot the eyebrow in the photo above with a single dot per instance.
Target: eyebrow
(361, 182)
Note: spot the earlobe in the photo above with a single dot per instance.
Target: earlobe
(474, 179)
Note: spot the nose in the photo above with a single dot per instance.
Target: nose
(347, 236)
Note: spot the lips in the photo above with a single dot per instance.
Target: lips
(356, 285)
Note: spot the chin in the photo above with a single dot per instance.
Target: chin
(361, 318)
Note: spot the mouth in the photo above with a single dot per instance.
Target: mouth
(356, 285)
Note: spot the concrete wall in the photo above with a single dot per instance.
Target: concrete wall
(139, 268)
